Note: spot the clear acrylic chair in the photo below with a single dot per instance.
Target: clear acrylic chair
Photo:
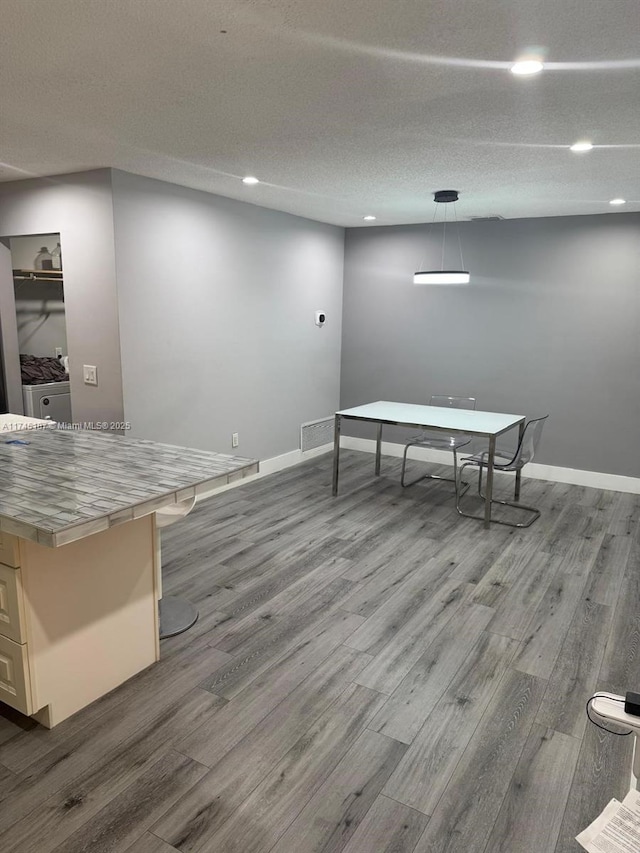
(509, 462)
(440, 441)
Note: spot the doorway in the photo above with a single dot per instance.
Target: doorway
(38, 349)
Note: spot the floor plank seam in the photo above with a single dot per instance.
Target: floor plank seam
(388, 737)
(470, 744)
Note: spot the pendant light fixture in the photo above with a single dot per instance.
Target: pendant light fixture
(443, 276)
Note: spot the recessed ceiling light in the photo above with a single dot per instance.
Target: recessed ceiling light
(617, 201)
(526, 67)
(579, 147)
(250, 180)
(368, 218)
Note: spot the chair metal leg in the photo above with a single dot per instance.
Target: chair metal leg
(517, 505)
(516, 488)
(429, 476)
(535, 513)
(460, 493)
(404, 465)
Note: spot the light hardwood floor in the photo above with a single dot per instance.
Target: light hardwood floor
(369, 674)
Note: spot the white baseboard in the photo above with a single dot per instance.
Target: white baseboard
(294, 457)
(594, 479)
(271, 466)
(536, 471)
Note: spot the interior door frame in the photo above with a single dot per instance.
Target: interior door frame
(11, 379)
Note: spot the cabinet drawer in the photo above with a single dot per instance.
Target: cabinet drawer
(11, 604)
(15, 685)
(9, 551)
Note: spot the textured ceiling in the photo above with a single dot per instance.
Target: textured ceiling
(341, 107)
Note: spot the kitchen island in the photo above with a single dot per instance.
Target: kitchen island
(79, 562)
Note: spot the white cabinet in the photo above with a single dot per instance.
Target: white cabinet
(77, 620)
(12, 621)
(15, 681)
(9, 549)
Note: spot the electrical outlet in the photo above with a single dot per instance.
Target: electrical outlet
(90, 373)
(58, 352)
(234, 439)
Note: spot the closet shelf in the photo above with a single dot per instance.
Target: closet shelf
(38, 275)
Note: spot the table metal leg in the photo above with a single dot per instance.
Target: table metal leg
(336, 453)
(378, 449)
(516, 493)
(489, 492)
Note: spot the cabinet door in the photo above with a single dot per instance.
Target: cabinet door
(9, 552)
(15, 686)
(11, 605)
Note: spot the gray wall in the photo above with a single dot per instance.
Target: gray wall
(217, 301)
(79, 208)
(549, 323)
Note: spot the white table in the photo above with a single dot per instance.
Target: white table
(465, 421)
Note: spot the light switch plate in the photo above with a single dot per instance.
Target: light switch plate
(90, 374)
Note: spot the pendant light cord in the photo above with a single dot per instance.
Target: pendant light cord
(444, 235)
(433, 219)
(458, 233)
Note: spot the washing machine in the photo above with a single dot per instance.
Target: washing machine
(49, 400)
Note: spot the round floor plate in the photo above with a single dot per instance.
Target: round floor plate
(176, 615)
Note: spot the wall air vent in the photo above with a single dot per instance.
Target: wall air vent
(495, 218)
(316, 433)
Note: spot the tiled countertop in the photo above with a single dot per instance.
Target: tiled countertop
(11, 423)
(65, 485)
